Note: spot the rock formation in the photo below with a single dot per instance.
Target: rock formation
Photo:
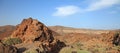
(35, 34)
(31, 30)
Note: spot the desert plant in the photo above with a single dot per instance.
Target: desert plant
(78, 45)
(12, 41)
(116, 48)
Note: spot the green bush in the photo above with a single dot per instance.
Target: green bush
(12, 41)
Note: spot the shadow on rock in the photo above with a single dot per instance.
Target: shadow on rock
(57, 47)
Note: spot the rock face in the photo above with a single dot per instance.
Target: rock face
(31, 30)
(35, 34)
(7, 49)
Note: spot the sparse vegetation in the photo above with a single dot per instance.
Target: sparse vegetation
(78, 45)
(116, 48)
(12, 41)
(98, 50)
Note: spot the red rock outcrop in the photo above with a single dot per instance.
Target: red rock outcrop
(35, 34)
(31, 30)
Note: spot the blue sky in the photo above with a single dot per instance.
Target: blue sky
(92, 14)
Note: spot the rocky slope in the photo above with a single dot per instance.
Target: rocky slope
(84, 35)
(91, 40)
(7, 49)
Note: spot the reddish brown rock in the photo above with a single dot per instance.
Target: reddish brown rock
(35, 34)
(31, 30)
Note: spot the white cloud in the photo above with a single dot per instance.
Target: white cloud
(100, 4)
(93, 6)
(66, 10)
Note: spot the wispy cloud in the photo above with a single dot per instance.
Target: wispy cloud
(93, 6)
(101, 4)
(66, 10)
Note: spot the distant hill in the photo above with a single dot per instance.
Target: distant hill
(64, 30)
(5, 31)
